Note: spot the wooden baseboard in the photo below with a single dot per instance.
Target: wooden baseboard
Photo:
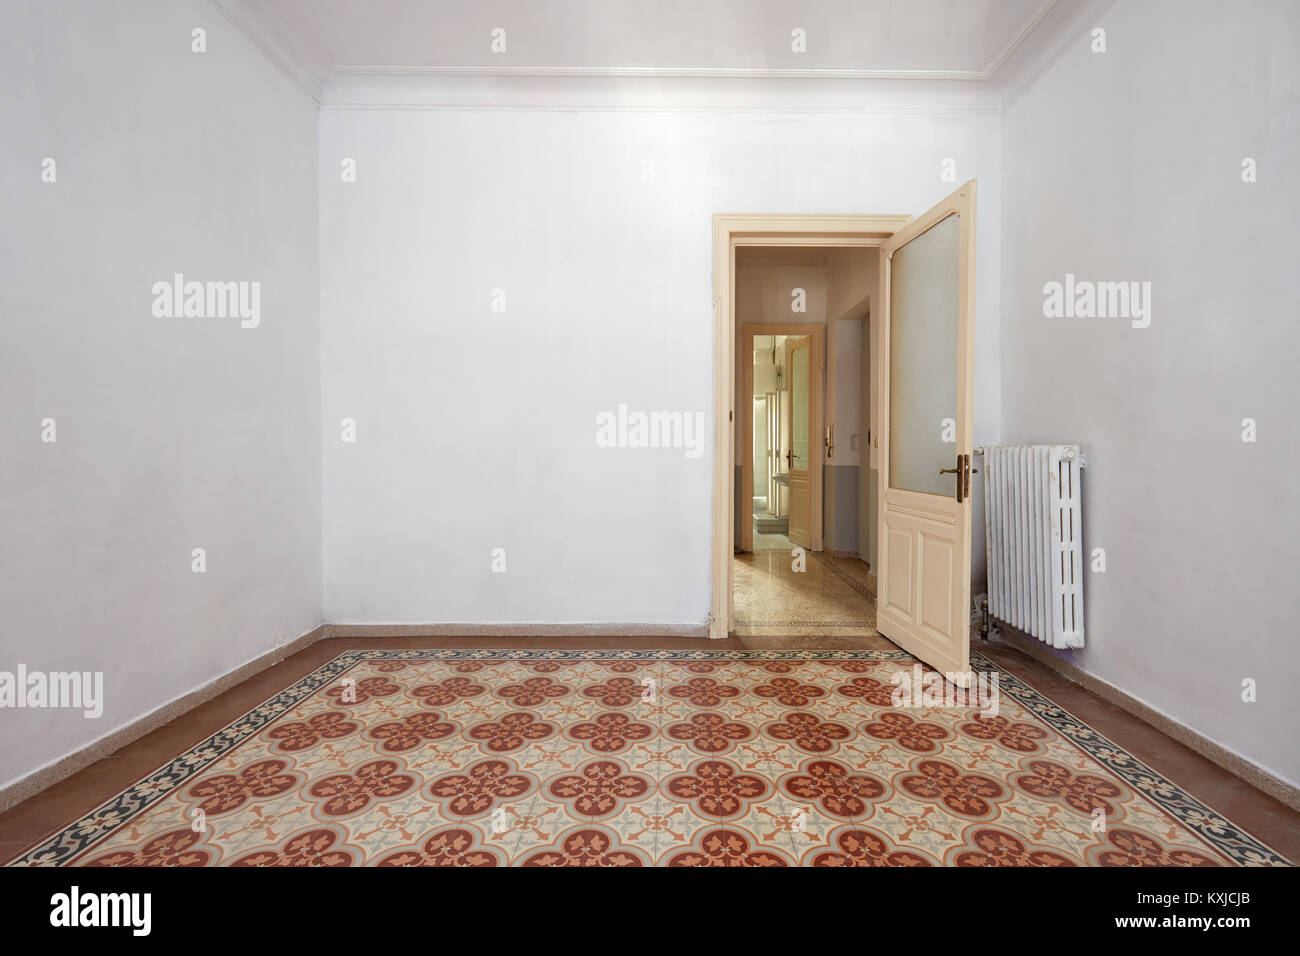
(1217, 754)
(47, 776)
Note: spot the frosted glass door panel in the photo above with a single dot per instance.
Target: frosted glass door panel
(923, 361)
(799, 397)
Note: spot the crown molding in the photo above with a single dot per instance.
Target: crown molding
(351, 69)
(646, 72)
(656, 95)
(1060, 28)
(282, 42)
(292, 48)
(1017, 39)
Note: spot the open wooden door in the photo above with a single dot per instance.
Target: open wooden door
(926, 420)
(773, 425)
(800, 367)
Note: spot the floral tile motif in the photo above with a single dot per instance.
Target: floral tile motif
(487, 758)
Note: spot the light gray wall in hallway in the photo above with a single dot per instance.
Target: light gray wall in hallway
(1127, 166)
(867, 474)
(843, 401)
(840, 507)
(744, 506)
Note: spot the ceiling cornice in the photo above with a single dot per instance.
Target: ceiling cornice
(280, 41)
(292, 48)
(645, 72)
(1068, 23)
(650, 95)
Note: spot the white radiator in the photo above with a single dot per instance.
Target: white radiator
(1034, 538)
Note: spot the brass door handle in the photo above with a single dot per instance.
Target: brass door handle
(962, 471)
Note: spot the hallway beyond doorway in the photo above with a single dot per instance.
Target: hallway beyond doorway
(834, 595)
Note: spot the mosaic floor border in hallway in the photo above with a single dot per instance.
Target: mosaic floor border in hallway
(638, 758)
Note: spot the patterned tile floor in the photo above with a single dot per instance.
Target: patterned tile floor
(639, 758)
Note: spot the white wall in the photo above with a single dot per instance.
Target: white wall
(609, 301)
(1127, 166)
(172, 434)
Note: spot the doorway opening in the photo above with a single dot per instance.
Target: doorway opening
(801, 311)
(771, 437)
(920, 363)
(783, 380)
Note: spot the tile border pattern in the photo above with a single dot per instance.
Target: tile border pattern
(859, 586)
(31, 785)
(852, 624)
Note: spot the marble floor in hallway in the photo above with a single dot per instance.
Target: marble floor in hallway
(776, 592)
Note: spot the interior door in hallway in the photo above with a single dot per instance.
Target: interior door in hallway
(800, 367)
(925, 435)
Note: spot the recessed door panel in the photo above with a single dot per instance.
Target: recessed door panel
(899, 590)
(935, 579)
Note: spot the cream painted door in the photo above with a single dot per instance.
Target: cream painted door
(773, 425)
(783, 442)
(925, 426)
(800, 368)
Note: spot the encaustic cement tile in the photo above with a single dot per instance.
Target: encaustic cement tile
(488, 758)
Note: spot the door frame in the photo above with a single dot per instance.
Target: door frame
(756, 229)
(816, 422)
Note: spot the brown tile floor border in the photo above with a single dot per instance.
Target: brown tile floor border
(62, 804)
(1268, 819)
(41, 780)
